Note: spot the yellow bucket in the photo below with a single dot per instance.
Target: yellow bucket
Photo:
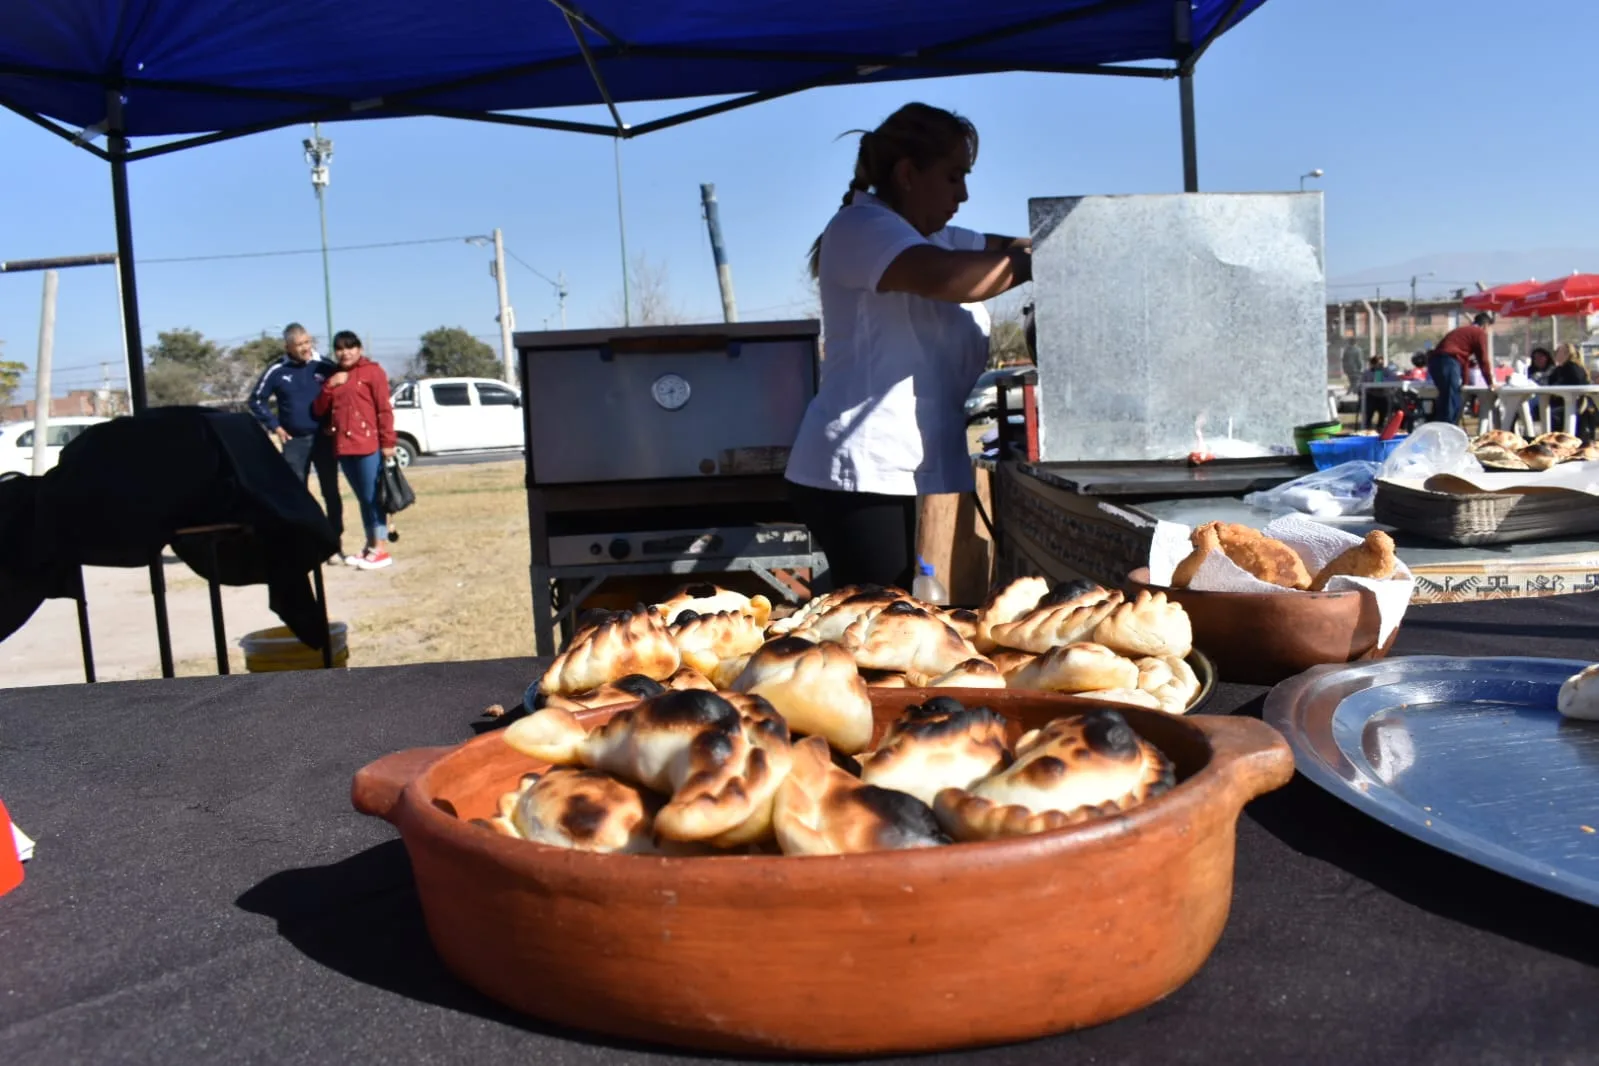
(269, 650)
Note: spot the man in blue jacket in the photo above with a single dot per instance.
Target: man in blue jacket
(290, 385)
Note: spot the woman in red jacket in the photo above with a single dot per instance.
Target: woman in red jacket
(355, 404)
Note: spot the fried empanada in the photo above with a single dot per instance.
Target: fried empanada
(1373, 558)
(1265, 557)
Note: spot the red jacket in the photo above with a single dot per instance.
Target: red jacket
(1467, 344)
(362, 418)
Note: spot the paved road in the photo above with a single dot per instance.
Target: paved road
(468, 458)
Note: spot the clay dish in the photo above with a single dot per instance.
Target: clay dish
(885, 953)
(1261, 638)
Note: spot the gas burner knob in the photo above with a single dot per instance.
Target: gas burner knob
(620, 549)
(596, 548)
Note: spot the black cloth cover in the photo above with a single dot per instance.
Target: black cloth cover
(122, 490)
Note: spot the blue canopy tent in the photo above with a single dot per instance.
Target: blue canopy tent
(209, 71)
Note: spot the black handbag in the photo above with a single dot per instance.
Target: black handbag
(394, 492)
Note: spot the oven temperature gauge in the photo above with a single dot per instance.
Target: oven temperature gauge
(670, 391)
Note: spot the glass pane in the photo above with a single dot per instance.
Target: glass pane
(493, 396)
(59, 435)
(26, 440)
(451, 395)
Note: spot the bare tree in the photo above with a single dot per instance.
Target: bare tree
(650, 292)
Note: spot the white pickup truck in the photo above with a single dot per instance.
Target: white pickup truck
(436, 415)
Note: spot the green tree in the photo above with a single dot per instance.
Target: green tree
(170, 384)
(452, 352)
(10, 379)
(241, 366)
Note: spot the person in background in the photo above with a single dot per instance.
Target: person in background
(1539, 364)
(906, 339)
(1568, 371)
(1379, 402)
(282, 400)
(355, 401)
(1448, 363)
(1352, 357)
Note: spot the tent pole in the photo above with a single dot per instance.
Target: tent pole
(117, 142)
(1185, 84)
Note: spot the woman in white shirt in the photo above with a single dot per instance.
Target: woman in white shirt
(906, 338)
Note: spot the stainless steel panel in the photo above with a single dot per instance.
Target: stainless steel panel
(604, 549)
(599, 412)
(1154, 312)
(1468, 755)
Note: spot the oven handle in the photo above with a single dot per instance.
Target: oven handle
(704, 342)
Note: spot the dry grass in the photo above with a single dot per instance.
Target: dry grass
(459, 587)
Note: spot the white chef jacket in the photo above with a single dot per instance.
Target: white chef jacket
(889, 416)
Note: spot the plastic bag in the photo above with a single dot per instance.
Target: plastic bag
(1434, 448)
(1348, 488)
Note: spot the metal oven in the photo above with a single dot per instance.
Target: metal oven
(661, 450)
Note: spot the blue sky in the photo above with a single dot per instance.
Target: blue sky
(1444, 127)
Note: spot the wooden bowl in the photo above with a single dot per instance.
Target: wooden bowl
(1261, 638)
(890, 952)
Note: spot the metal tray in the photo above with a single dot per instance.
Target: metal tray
(1174, 477)
(1468, 755)
(1204, 671)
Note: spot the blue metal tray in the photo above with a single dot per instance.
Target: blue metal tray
(1468, 755)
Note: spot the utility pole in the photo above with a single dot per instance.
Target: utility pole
(724, 272)
(506, 319)
(621, 229)
(41, 374)
(318, 153)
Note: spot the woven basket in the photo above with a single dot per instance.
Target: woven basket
(1485, 517)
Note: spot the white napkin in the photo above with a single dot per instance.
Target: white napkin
(1317, 545)
(24, 843)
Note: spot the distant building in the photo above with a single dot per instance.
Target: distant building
(107, 403)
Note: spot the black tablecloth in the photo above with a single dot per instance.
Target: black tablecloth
(204, 892)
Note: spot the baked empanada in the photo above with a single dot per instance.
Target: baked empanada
(823, 810)
(937, 745)
(1148, 624)
(1072, 770)
(1081, 667)
(706, 598)
(631, 642)
(817, 687)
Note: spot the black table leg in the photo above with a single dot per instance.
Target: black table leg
(219, 632)
(163, 632)
(83, 630)
(322, 602)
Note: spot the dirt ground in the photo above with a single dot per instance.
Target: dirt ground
(458, 589)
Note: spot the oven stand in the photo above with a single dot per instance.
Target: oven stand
(557, 590)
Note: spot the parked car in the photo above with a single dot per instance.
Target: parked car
(16, 441)
(983, 401)
(436, 415)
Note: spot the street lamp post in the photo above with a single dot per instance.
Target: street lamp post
(1318, 172)
(318, 153)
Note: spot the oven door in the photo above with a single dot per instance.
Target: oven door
(670, 406)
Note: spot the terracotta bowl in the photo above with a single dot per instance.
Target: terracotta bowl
(890, 952)
(1261, 638)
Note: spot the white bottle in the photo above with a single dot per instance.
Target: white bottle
(926, 587)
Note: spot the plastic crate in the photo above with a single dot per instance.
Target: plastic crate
(1336, 450)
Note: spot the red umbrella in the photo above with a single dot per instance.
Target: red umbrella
(1549, 309)
(1564, 296)
(1496, 298)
